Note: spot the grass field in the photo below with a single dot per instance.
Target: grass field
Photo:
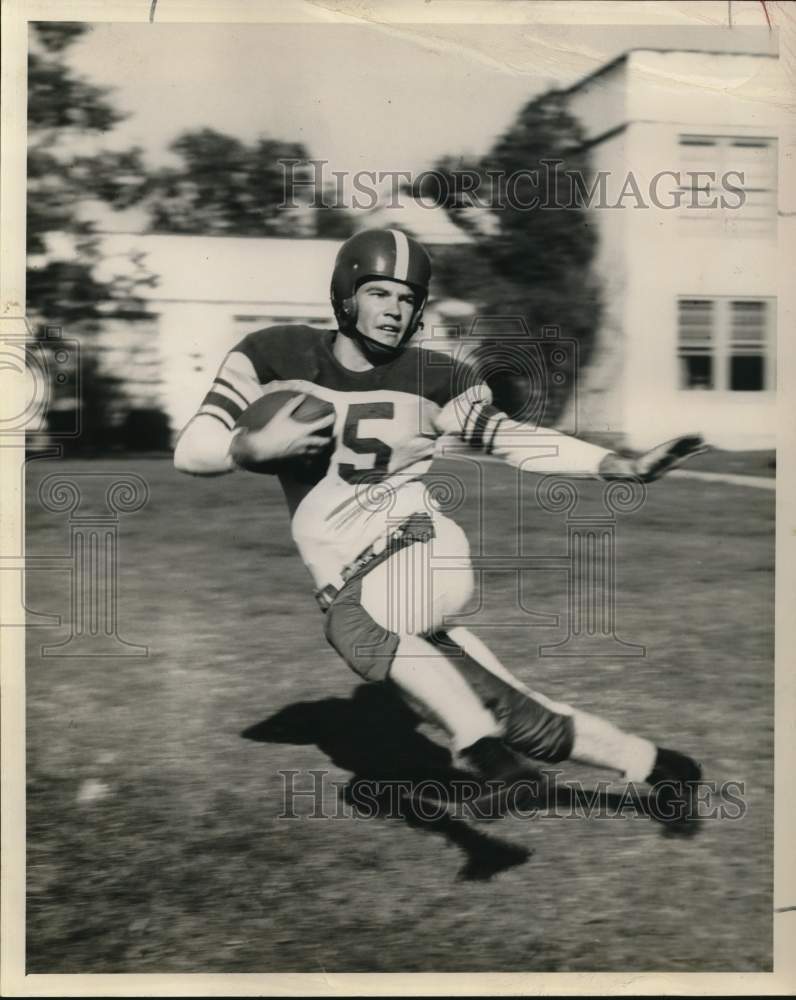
(154, 843)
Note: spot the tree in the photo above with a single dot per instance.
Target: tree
(533, 242)
(63, 289)
(225, 187)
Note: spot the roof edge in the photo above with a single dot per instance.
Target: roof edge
(622, 57)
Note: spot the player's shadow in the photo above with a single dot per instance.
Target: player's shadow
(373, 734)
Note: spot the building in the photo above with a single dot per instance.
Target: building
(684, 145)
(688, 339)
(210, 291)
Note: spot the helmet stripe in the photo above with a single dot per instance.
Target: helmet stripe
(401, 254)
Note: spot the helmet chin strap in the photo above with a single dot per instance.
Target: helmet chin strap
(376, 353)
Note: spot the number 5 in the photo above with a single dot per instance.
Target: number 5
(366, 446)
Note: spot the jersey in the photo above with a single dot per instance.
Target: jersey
(388, 420)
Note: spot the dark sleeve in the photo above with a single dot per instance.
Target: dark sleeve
(283, 352)
(262, 348)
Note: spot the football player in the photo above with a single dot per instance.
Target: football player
(366, 529)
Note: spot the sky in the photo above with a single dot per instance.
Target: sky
(361, 97)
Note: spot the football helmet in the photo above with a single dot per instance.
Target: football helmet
(378, 253)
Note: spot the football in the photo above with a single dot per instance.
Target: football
(263, 410)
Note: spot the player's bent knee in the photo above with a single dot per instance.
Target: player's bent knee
(365, 645)
(530, 726)
(538, 732)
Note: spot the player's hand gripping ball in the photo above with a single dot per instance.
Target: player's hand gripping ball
(286, 432)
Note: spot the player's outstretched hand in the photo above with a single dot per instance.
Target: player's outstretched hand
(654, 463)
(283, 437)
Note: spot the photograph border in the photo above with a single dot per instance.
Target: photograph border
(400, 17)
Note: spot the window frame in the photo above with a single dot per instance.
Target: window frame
(721, 347)
(705, 221)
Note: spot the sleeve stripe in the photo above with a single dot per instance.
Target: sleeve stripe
(477, 439)
(214, 411)
(233, 395)
(215, 416)
(485, 413)
(491, 443)
(223, 402)
(221, 385)
(473, 407)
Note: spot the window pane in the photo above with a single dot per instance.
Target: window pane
(748, 330)
(696, 371)
(747, 373)
(695, 322)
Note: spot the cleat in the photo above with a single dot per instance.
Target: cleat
(671, 800)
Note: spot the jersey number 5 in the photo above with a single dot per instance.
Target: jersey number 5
(380, 451)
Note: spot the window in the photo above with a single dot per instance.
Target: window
(747, 345)
(728, 184)
(696, 343)
(726, 344)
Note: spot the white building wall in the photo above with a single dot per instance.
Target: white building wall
(702, 88)
(668, 258)
(649, 257)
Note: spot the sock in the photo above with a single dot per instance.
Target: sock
(601, 743)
